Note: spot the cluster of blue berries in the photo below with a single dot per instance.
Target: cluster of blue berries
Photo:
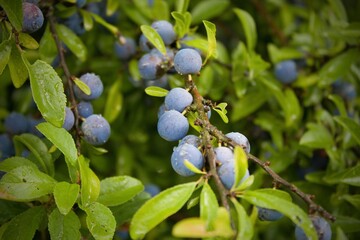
(16, 123)
(33, 18)
(95, 128)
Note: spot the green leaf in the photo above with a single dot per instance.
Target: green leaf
(351, 126)
(270, 199)
(153, 36)
(47, 48)
(349, 176)
(63, 227)
(42, 158)
(114, 102)
(339, 9)
(248, 104)
(72, 41)
(24, 225)
(198, 43)
(192, 167)
(281, 54)
(62, 139)
(182, 5)
(221, 110)
(11, 163)
(208, 9)
(353, 200)
(117, 190)
(156, 91)
(83, 87)
(100, 221)
(318, 136)
(28, 41)
(245, 227)
(5, 51)
(87, 19)
(211, 38)
(14, 12)
(338, 66)
(159, 208)
(249, 27)
(180, 26)
(111, 7)
(240, 165)
(18, 71)
(48, 92)
(160, 10)
(90, 183)
(208, 206)
(25, 183)
(339, 102)
(123, 213)
(65, 195)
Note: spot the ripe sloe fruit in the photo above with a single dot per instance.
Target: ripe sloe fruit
(150, 66)
(165, 30)
(187, 61)
(16, 123)
(322, 228)
(227, 174)
(178, 99)
(190, 153)
(266, 214)
(152, 189)
(96, 129)
(191, 139)
(285, 71)
(224, 154)
(172, 126)
(69, 119)
(126, 50)
(239, 139)
(6, 147)
(94, 83)
(33, 18)
(85, 109)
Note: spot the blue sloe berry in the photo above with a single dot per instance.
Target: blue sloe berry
(6, 147)
(33, 18)
(190, 153)
(85, 109)
(191, 139)
(160, 82)
(178, 99)
(96, 129)
(266, 214)
(322, 228)
(16, 123)
(94, 83)
(69, 119)
(150, 66)
(187, 61)
(75, 23)
(162, 110)
(152, 189)
(32, 126)
(239, 139)
(286, 71)
(127, 50)
(80, 3)
(226, 173)
(165, 30)
(224, 154)
(345, 89)
(172, 126)
(145, 44)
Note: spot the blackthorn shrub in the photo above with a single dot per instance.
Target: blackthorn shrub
(266, 214)
(85, 109)
(96, 130)
(69, 119)
(172, 125)
(186, 152)
(322, 228)
(178, 99)
(16, 123)
(286, 71)
(187, 61)
(94, 83)
(33, 18)
(165, 30)
(239, 139)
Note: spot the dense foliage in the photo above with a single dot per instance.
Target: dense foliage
(210, 119)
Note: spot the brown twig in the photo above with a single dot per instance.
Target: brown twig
(206, 138)
(68, 76)
(276, 31)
